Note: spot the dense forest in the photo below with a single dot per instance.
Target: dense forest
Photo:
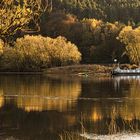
(108, 10)
(36, 34)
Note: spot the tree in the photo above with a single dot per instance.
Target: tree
(131, 39)
(16, 15)
(34, 53)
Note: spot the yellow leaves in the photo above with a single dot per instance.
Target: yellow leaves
(36, 52)
(125, 34)
(92, 23)
(16, 15)
(32, 47)
(62, 52)
(13, 17)
(8, 2)
(95, 23)
(131, 38)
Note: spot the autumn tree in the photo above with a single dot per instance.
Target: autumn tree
(16, 15)
(95, 39)
(34, 53)
(131, 39)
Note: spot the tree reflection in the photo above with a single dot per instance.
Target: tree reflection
(104, 99)
(38, 94)
(38, 107)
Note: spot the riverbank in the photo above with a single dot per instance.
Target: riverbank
(82, 70)
(76, 70)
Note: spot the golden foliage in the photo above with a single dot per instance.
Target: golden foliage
(131, 39)
(16, 16)
(9, 59)
(62, 52)
(34, 53)
(13, 17)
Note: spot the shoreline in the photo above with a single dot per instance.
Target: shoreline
(89, 69)
(20, 73)
(79, 70)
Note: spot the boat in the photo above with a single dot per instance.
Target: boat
(119, 71)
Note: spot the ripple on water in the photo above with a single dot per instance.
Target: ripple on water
(72, 99)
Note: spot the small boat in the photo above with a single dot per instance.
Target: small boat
(119, 71)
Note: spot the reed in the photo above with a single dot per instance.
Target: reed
(114, 127)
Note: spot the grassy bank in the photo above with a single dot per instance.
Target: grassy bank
(92, 69)
(79, 70)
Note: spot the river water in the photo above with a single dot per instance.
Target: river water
(69, 108)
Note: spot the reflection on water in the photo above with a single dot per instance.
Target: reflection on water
(38, 108)
(38, 94)
(131, 103)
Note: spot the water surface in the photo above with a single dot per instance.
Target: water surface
(49, 107)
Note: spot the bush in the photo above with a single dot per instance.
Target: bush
(62, 52)
(34, 53)
(10, 60)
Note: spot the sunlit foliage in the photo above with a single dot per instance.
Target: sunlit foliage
(131, 38)
(15, 15)
(34, 53)
(93, 25)
(95, 39)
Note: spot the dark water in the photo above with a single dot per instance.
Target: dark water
(50, 108)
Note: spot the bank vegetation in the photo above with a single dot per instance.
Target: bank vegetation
(39, 34)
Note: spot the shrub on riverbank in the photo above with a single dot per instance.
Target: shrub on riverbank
(34, 53)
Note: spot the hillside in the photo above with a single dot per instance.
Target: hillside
(108, 10)
(66, 32)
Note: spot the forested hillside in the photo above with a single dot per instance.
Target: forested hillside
(94, 26)
(97, 31)
(108, 10)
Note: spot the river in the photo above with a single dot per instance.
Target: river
(37, 107)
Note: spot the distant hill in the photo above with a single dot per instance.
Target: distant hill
(108, 10)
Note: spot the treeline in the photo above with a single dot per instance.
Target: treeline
(126, 11)
(98, 41)
(102, 30)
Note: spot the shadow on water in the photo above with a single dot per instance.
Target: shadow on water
(40, 108)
